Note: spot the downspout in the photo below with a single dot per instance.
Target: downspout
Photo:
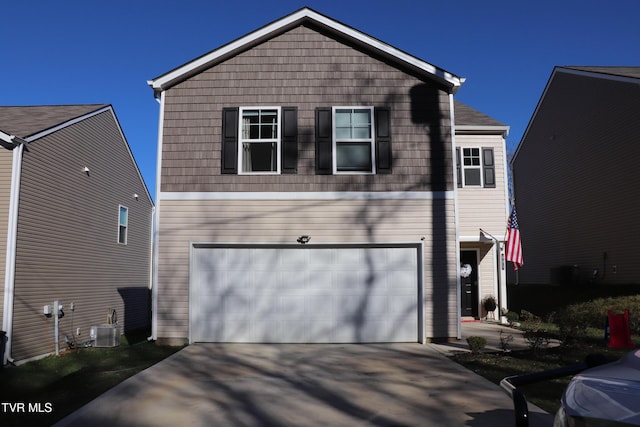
(455, 215)
(155, 226)
(10, 261)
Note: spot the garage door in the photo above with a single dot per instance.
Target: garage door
(304, 294)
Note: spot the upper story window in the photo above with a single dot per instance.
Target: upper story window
(123, 224)
(259, 140)
(259, 145)
(475, 166)
(353, 140)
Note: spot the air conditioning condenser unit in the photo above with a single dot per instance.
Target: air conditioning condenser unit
(105, 335)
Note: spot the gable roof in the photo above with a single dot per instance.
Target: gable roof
(27, 121)
(626, 74)
(632, 72)
(470, 119)
(24, 124)
(306, 16)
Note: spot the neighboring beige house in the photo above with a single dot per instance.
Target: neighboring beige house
(575, 179)
(307, 192)
(77, 227)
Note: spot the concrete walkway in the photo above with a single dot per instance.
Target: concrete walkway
(307, 385)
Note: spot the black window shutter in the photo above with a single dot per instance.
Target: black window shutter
(324, 161)
(459, 167)
(230, 140)
(488, 168)
(289, 140)
(384, 159)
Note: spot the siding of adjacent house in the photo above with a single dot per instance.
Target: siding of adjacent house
(67, 242)
(575, 177)
(305, 69)
(326, 221)
(6, 167)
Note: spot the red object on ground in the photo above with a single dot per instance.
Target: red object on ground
(619, 334)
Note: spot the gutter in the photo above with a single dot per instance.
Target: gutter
(10, 262)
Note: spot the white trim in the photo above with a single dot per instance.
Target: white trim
(371, 140)
(167, 80)
(456, 216)
(475, 129)
(156, 225)
(10, 259)
(125, 225)
(278, 140)
(479, 168)
(417, 245)
(319, 195)
(479, 239)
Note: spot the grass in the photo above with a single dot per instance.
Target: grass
(546, 394)
(54, 387)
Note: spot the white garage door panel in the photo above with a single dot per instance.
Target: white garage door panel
(304, 294)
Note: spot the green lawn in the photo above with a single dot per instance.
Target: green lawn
(42, 392)
(546, 394)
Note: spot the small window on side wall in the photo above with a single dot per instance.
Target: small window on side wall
(123, 225)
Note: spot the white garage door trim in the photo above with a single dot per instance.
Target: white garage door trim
(249, 307)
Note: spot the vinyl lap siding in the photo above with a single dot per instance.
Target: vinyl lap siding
(67, 247)
(224, 221)
(6, 166)
(575, 179)
(480, 207)
(306, 69)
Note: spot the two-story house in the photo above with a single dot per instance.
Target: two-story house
(307, 191)
(574, 175)
(76, 226)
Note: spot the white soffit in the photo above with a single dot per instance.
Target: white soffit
(169, 79)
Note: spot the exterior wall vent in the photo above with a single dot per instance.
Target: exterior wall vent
(105, 335)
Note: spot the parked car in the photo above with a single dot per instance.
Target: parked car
(600, 393)
(607, 395)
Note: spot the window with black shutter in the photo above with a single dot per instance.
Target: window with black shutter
(475, 167)
(353, 140)
(259, 140)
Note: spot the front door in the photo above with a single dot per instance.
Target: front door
(469, 283)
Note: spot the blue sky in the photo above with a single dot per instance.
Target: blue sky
(76, 52)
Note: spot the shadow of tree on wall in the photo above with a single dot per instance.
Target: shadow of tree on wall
(137, 308)
(426, 111)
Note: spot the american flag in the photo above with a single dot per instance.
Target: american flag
(514, 246)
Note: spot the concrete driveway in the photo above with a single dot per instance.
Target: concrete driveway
(303, 385)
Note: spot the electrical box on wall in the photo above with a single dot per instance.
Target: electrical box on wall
(47, 310)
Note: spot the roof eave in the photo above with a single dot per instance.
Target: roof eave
(483, 129)
(191, 68)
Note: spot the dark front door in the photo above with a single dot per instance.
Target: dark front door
(469, 284)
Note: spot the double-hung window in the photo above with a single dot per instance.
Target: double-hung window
(123, 225)
(475, 167)
(259, 142)
(353, 142)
